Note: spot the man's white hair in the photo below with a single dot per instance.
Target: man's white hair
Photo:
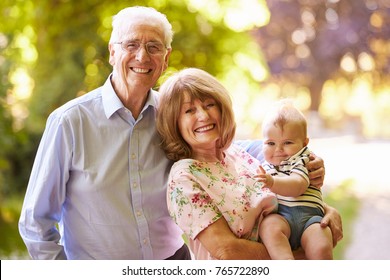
(122, 21)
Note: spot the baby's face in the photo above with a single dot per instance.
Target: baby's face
(282, 143)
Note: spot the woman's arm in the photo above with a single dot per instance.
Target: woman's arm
(222, 244)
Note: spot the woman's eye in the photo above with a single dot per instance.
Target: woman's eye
(210, 105)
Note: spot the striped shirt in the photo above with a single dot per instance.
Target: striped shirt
(312, 197)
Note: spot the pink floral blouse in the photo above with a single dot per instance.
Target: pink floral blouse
(199, 193)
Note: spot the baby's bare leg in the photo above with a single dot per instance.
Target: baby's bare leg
(317, 242)
(274, 233)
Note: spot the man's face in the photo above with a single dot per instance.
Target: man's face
(139, 69)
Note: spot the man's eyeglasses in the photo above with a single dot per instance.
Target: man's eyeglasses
(153, 48)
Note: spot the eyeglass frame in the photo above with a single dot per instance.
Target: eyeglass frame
(123, 46)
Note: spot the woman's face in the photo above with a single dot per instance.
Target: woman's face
(199, 124)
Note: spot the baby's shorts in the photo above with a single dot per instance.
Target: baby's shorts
(299, 218)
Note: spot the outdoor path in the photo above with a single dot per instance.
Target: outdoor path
(365, 163)
(371, 232)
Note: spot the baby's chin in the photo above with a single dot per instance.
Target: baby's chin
(277, 161)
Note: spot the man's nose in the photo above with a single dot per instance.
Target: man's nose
(142, 53)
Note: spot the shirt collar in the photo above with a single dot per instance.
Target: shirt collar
(112, 103)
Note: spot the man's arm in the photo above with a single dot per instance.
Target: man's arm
(332, 219)
(316, 168)
(42, 205)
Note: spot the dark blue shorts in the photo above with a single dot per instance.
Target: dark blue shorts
(299, 218)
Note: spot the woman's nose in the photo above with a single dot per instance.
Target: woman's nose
(202, 114)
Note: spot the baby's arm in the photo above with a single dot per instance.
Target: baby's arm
(293, 185)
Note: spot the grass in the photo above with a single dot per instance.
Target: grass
(345, 201)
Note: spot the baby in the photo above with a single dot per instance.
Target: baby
(300, 210)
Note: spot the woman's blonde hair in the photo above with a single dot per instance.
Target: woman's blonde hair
(199, 85)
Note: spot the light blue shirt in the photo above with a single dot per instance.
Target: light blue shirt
(101, 175)
(253, 147)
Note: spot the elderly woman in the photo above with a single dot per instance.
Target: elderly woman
(212, 194)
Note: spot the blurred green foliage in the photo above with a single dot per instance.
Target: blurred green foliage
(58, 49)
(344, 199)
(54, 50)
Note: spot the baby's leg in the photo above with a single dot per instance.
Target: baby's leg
(317, 242)
(274, 233)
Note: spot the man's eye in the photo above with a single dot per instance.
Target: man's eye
(154, 47)
(132, 46)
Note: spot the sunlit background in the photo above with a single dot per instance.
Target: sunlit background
(331, 57)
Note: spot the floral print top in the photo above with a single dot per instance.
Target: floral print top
(199, 193)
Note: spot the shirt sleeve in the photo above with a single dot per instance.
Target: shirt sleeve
(189, 204)
(299, 166)
(45, 194)
(252, 147)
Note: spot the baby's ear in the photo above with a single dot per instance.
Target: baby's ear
(306, 142)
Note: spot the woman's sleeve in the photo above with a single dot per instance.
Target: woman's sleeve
(189, 204)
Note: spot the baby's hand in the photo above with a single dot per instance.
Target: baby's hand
(264, 178)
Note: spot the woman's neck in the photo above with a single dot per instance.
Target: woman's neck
(209, 157)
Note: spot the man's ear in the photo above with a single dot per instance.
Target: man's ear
(111, 50)
(166, 59)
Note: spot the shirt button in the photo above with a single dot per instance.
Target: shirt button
(134, 185)
(138, 213)
(145, 241)
(133, 156)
